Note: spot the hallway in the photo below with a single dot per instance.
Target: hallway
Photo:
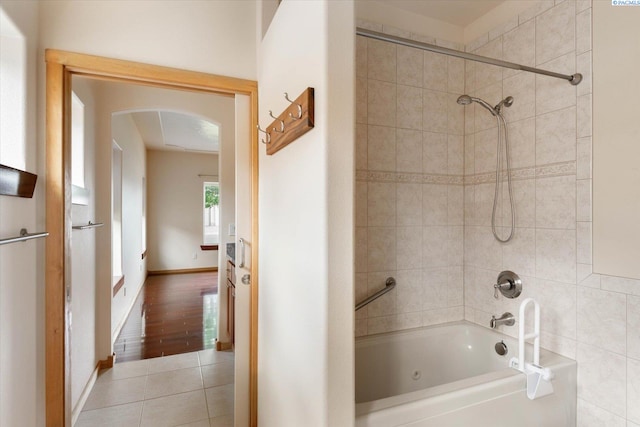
(191, 389)
(173, 314)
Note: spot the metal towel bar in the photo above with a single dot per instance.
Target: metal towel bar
(24, 235)
(89, 225)
(390, 284)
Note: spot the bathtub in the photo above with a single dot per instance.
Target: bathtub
(451, 376)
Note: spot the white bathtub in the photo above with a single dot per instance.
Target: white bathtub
(451, 376)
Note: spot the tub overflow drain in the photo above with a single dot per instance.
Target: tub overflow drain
(416, 375)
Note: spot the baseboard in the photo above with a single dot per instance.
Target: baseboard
(221, 346)
(108, 362)
(182, 271)
(77, 409)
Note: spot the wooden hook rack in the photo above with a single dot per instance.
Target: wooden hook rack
(292, 123)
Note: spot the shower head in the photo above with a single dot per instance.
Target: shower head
(466, 100)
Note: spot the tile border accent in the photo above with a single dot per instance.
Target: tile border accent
(544, 171)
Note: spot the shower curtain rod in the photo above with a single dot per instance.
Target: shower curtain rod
(574, 79)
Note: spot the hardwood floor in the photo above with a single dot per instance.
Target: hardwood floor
(173, 314)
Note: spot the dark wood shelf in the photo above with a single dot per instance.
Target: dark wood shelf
(17, 183)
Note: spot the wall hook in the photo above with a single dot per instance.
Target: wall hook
(281, 123)
(286, 96)
(268, 140)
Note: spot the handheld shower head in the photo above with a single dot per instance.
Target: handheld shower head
(466, 100)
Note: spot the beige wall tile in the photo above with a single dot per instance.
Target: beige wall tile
(455, 205)
(590, 415)
(486, 146)
(583, 194)
(484, 205)
(409, 199)
(410, 66)
(602, 319)
(456, 246)
(381, 60)
(584, 116)
(361, 146)
(556, 202)
(434, 204)
(556, 255)
(455, 116)
(434, 293)
(385, 305)
(633, 390)
(633, 326)
(556, 137)
(583, 167)
(469, 154)
(381, 103)
(435, 71)
(583, 66)
(602, 378)
(558, 307)
(522, 143)
(409, 291)
(361, 57)
(409, 108)
(583, 31)
(492, 94)
(361, 100)
(435, 246)
(518, 45)
(522, 88)
(409, 252)
(361, 204)
(555, 32)
(584, 243)
(455, 75)
(434, 111)
(524, 197)
(361, 250)
(381, 249)
(455, 155)
(555, 94)
(409, 150)
(489, 253)
(381, 204)
(434, 153)
(519, 254)
(381, 148)
(486, 74)
(621, 284)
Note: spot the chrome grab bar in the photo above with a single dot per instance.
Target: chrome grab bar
(89, 225)
(390, 284)
(24, 235)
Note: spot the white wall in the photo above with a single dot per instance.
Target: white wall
(83, 259)
(214, 37)
(22, 264)
(174, 209)
(134, 168)
(306, 222)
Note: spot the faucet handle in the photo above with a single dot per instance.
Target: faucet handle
(509, 284)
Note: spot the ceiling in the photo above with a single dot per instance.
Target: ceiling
(167, 130)
(456, 12)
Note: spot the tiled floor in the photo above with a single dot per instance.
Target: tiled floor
(191, 389)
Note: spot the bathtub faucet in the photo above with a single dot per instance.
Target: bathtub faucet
(505, 319)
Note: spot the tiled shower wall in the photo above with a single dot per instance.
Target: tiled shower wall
(591, 318)
(588, 317)
(409, 186)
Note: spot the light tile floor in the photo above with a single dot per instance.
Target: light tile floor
(191, 389)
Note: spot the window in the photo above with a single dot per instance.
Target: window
(77, 141)
(211, 213)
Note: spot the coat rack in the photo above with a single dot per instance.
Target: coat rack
(291, 124)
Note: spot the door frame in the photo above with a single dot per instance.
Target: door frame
(60, 67)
